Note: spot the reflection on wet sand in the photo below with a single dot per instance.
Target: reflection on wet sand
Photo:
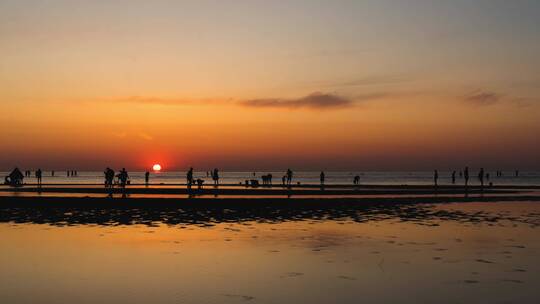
(430, 253)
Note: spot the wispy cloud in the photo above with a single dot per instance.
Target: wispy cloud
(321, 101)
(314, 101)
(483, 98)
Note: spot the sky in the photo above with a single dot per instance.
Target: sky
(261, 85)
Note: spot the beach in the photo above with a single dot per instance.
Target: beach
(481, 252)
(342, 243)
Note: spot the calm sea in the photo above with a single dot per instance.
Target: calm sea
(303, 177)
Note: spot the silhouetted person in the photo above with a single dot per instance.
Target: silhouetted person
(356, 180)
(189, 177)
(517, 173)
(215, 176)
(460, 174)
(284, 180)
(322, 178)
(68, 173)
(436, 177)
(109, 177)
(289, 176)
(38, 176)
(453, 177)
(487, 177)
(481, 177)
(146, 177)
(200, 183)
(123, 177)
(15, 178)
(52, 173)
(466, 176)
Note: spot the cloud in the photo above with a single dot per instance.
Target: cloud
(483, 98)
(316, 100)
(145, 136)
(322, 101)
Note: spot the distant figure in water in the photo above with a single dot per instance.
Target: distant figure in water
(517, 173)
(481, 177)
(356, 180)
(284, 180)
(52, 173)
(487, 177)
(453, 177)
(15, 178)
(289, 176)
(123, 177)
(435, 177)
(322, 178)
(68, 173)
(215, 176)
(189, 178)
(267, 179)
(146, 177)
(466, 175)
(38, 176)
(460, 174)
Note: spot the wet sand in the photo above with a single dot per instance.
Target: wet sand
(478, 252)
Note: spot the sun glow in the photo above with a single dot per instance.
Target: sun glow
(156, 167)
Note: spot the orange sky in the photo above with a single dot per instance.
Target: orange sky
(334, 87)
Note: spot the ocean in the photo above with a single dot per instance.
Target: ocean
(525, 178)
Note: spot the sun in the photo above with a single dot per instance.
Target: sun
(156, 167)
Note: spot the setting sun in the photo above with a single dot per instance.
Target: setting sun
(156, 167)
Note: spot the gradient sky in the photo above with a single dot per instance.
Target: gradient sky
(333, 85)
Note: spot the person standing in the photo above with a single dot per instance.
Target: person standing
(215, 176)
(289, 177)
(466, 176)
(481, 177)
(189, 177)
(146, 177)
(322, 176)
(436, 177)
(454, 178)
(38, 176)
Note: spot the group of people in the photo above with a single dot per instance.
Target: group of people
(16, 177)
(482, 176)
(122, 178)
